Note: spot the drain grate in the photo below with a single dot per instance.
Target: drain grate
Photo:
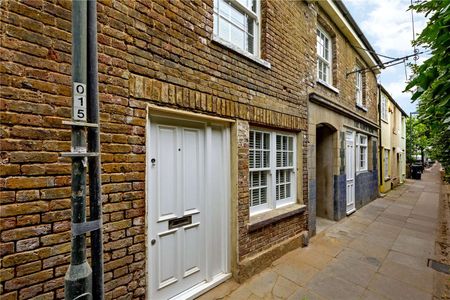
(438, 266)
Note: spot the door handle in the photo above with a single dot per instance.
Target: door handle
(153, 242)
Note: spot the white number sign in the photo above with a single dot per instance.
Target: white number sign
(79, 102)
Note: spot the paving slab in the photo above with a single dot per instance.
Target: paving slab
(421, 279)
(413, 246)
(298, 272)
(418, 263)
(304, 294)
(314, 258)
(331, 287)
(369, 295)
(263, 283)
(369, 249)
(379, 252)
(283, 288)
(395, 289)
(352, 270)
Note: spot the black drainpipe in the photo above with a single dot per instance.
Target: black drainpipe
(381, 145)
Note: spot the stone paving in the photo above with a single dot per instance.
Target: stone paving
(379, 252)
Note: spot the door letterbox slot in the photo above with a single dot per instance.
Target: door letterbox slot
(179, 222)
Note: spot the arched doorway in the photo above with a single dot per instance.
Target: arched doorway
(326, 144)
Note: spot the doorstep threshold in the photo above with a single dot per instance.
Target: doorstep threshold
(202, 287)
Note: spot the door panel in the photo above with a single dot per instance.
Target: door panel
(192, 169)
(191, 256)
(166, 141)
(181, 192)
(168, 258)
(350, 170)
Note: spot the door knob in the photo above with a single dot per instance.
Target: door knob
(152, 242)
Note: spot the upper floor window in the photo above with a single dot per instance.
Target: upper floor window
(359, 86)
(384, 108)
(237, 22)
(362, 152)
(272, 170)
(323, 56)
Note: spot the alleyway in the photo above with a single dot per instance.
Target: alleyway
(380, 252)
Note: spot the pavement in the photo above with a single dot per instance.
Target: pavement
(379, 252)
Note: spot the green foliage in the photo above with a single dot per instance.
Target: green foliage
(431, 81)
(418, 138)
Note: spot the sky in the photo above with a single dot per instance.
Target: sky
(388, 27)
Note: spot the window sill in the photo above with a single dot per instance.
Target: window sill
(361, 107)
(387, 179)
(362, 171)
(238, 50)
(266, 218)
(328, 86)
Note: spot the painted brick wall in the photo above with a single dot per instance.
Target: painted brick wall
(149, 51)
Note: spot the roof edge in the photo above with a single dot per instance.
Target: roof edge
(383, 89)
(358, 31)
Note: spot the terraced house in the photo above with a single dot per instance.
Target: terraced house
(206, 146)
(343, 118)
(392, 142)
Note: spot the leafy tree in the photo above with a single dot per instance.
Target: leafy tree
(417, 139)
(431, 80)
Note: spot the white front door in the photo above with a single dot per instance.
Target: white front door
(350, 170)
(183, 213)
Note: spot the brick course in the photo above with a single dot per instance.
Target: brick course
(149, 51)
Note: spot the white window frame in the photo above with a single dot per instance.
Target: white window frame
(384, 108)
(386, 164)
(271, 171)
(359, 86)
(362, 148)
(246, 10)
(320, 58)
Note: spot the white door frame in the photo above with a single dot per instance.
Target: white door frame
(211, 280)
(350, 168)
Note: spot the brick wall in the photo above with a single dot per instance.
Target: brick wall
(149, 51)
(345, 59)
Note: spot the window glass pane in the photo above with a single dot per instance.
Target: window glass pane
(258, 188)
(266, 141)
(279, 159)
(224, 29)
(250, 47)
(258, 140)
(254, 6)
(283, 188)
(259, 154)
(235, 24)
(237, 37)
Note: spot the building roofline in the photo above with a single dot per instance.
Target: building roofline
(383, 89)
(358, 31)
(340, 15)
